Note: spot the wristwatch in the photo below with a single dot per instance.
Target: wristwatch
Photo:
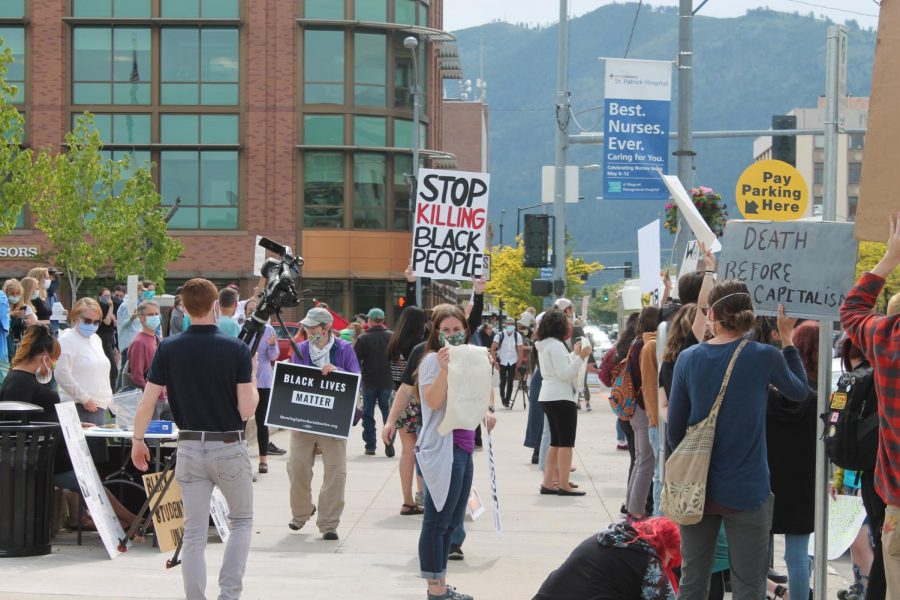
(491, 409)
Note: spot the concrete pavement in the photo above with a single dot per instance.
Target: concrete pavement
(376, 556)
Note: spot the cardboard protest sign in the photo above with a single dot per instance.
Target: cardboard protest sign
(92, 490)
(168, 521)
(648, 256)
(846, 515)
(880, 176)
(806, 266)
(690, 213)
(450, 226)
(690, 259)
(304, 400)
(218, 510)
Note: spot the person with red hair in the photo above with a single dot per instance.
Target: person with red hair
(623, 562)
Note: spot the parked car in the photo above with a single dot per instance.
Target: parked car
(284, 335)
(599, 340)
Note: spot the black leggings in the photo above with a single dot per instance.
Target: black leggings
(262, 432)
(562, 416)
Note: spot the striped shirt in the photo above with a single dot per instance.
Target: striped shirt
(879, 339)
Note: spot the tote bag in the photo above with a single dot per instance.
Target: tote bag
(684, 489)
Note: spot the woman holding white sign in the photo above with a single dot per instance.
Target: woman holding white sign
(445, 460)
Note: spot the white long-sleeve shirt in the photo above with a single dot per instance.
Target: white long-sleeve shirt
(82, 371)
(559, 369)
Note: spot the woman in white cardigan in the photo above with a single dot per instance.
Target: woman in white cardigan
(560, 370)
(82, 372)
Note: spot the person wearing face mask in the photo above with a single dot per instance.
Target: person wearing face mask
(176, 318)
(82, 372)
(143, 348)
(39, 300)
(506, 350)
(4, 326)
(128, 325)
(107, 333)
(13, 291)
(329, 353)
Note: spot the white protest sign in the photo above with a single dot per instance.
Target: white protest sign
(450, 224)
(259, 257)
(131, 290)
(648, 256)
(846, 515)
(690, 259)
(218, 508)
(492, 474)
(92, 490)
(690, 213)
(585, 303)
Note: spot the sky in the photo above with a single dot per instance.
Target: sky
(459, 14)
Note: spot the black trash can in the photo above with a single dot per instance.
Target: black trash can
(27, 452)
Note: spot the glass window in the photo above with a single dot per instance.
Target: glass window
(324, 9)
(12, 9)
(371, 10)
(403, 75)
(403, 133)
(423, 15)
(323, 66)
(207, 9)
(20, 220)
(854, 170)
(199, 66)
(121, 128)
(368, 294)
(852, 203)
(405, 12)
(111, 65)
(136, 160)
(14, 39)
(199, 129)
(369, 131)
(323, 130)
(323, 189)
(818, 170)
(401, 191)
(207, 183)
(329, 291)
(369, 190)
(819, 141)
(111, 8)
(370, 69)
(856, 141)
(219, 129)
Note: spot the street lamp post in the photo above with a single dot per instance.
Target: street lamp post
(502, 214)
(412, 43)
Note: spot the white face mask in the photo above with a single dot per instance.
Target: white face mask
(35, 295)
(47, 283)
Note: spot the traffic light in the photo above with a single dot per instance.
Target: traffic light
(593, 292)
(628, 269)
(537, 240)
(605, 296)
(784, 147)
(541, 287)
(401, 301)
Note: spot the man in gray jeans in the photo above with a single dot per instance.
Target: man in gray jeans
(211, 383)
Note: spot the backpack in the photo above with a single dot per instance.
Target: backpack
(622, 395)
(851, 423)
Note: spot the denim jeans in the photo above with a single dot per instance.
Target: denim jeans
(796, 558)
(438, 526)
(370, 398)
(653, 432)
(200, 467)
(620, 434)
(535, 414)
(644, 462)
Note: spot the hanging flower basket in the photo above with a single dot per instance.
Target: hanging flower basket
(710, 206)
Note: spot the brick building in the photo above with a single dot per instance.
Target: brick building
(285, 118)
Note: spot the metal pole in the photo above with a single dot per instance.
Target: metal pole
(413, 49)
(562, 142)
(834, 96)
(685, 152)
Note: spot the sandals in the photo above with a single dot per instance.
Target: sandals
(411, 509)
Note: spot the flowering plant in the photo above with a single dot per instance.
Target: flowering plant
(710, 206)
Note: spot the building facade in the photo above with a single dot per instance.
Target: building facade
(811, 155)
(291, 119)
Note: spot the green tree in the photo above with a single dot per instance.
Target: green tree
(604, 307)
(869, 255)
(15, 161)
(99, 214)
(511, 279)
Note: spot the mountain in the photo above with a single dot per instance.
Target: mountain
(745, 70)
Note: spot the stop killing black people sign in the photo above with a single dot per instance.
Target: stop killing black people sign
(806, 266)
(451, 224)
(303, 399)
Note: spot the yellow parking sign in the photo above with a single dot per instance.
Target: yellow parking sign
(771, 190)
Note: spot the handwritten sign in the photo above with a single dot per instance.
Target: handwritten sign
(690, 259)
(168, 520)
(807, 266)
(451, 224)
(92, 490)
(846, 515)
(304, 400)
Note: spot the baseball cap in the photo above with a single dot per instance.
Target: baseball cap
(54, 271)
(509, 321)
(317, 316)
(376, 314)
(563, 304)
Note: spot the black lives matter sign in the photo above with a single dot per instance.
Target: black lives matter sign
(303, 399)
(450, 224)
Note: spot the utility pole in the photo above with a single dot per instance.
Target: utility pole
(412, 44)
(685, 152)
(562, 143)
(835, 94)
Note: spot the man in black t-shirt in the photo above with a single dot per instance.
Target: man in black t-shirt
(211, 382)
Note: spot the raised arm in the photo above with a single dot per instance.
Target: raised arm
(475, 314)
(698, 328)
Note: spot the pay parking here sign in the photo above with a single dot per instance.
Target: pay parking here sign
(771, 190)
(638, 98)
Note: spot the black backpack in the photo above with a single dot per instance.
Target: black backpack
(851, 424)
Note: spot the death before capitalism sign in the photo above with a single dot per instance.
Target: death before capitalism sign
(450, 228)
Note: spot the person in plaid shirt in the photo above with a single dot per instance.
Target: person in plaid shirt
(879, 338)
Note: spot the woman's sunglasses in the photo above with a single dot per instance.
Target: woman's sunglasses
(87, 321)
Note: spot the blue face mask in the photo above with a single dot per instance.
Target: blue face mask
(87, 330)
(153, 322)
(149, 294)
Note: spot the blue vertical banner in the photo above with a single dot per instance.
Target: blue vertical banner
(638, 102)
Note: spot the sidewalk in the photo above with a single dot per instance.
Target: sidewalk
(376, 556)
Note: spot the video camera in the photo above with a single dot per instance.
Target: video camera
(283, 278)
